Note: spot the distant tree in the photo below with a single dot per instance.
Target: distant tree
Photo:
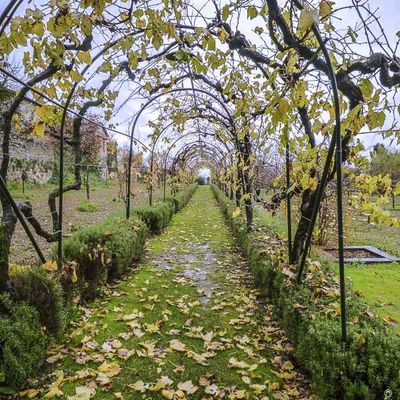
(385, 162)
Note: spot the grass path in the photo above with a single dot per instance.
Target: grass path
(186, 324)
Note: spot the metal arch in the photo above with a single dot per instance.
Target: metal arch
(150, 101)
(166, 159)
(62, 140)
(335, 144)
(190, 146)
(208, 158)
(179, 138)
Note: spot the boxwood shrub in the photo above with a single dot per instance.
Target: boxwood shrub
(158, 216)
(42, 290)
(105, 251)
(23, 343)
(362, 369)
(97, 253)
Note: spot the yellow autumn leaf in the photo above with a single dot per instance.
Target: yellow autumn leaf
(76, 76)
(54, 358)
(236, 212)
(152, 328)
(50, 265)
(84, 57)
(110, 369)
(138, 386)
(83, 393)
(103, 379)
(39, 129)
(54, 388)
(168, 394)
(238, 394)
(29, 393)
(325, 8)
(74, 277)
(187, 387)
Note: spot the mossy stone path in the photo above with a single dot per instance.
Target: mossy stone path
(187, 323)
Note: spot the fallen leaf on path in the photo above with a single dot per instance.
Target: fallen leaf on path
(187, 387)
(138, 386)
(177, 345)
(83, 393)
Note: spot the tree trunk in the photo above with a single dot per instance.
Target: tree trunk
(306, 209)
(248, 182)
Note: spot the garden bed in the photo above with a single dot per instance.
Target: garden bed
(363, 254)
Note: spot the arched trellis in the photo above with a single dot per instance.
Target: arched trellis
(147, 104)
(10, 10)
(181, 137)
(178, 153)
(173, 144)
(197, 145)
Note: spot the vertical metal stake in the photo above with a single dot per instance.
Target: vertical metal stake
(288, 201)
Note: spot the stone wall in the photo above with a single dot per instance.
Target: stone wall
(35, 156)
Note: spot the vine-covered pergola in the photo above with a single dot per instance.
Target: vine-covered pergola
(218, 84)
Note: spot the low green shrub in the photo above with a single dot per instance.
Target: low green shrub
(23, 343)
(86, 206)
(181, 199)
(156, 217)
(105, 251)
(310, 313)
(41, 290)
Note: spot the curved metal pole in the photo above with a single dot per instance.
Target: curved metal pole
(4, 17)
(166, 159)
(190, 146)
(335, 141)
(182, 136)
(62, 140)
(150, 101)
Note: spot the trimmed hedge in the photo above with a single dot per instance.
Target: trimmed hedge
(367, 366)
(105, 251)
(158, 216)
(23, 344)
(41, 290)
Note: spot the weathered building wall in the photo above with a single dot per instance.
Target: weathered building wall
(33, 156)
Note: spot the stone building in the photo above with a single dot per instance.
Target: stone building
(37, 157)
